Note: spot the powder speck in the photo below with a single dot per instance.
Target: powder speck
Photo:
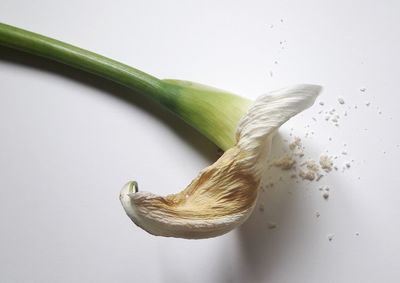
(311, 172)
(326, 163)
(285, 163)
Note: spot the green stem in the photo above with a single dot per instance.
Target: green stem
(85, 60)
(213, 112)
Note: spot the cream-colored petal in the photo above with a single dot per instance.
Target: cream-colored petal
(223, 195)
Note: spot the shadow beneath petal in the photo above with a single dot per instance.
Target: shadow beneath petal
(262, 240)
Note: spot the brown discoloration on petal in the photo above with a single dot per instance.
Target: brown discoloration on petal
(224, 188)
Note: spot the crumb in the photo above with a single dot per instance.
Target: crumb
(321, 103)
(312, 165)
(261, 208)
(285, 163)
(295, 143)
(330, 237)
(367, 103)
(271, 74)
(296, 147)
(319, 177)
(325, 195)
(271, 225)
(326, 163)
(311, 172)
(357, 234)
(347, 165)
(317, 214)
(363, 89)
(344, 152)
(341, 100)
(307, 175)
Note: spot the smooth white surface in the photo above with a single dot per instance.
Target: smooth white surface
(69, 141)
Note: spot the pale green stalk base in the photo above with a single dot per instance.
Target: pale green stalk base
(214, 113)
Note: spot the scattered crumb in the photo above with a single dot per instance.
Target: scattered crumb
(312, 165)
(347, 165)
(325, 195)
(311, 172)
(285, 163)
(296, 143)
(341, 100)
(367, 103)
(330, 237)
(326, 163)
(321, 103)
(357, 234)
(307, 175)
(363, 89)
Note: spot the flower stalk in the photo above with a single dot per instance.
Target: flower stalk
(213, 112)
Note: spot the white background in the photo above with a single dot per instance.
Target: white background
(69, 141)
